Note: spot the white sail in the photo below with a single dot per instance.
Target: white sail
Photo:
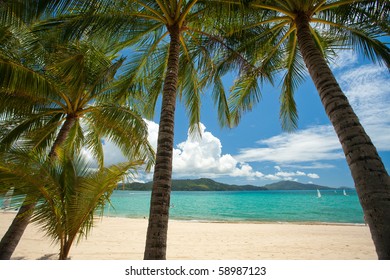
(344, 192)
(318, 193)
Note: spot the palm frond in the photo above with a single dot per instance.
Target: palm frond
(72, 196)
(245, 93)
(125, 128)
(18, 78)
(294, 76)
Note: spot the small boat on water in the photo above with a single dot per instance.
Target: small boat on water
(318, 193)
(344, 192)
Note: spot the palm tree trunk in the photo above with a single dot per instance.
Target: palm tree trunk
(62, 134)
(371, 180)
(65, 249)
(156, 238)
(14, 233)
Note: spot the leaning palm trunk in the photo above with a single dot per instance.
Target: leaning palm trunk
(11, 239)
(368, 172)
(156, 238)
(14, 233)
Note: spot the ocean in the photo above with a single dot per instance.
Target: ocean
(241, 206)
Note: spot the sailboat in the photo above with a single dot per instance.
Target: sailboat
(318, 193)
(344, 192)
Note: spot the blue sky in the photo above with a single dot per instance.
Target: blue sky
(258, 152)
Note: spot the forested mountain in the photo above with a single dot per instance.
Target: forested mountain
(204, 184)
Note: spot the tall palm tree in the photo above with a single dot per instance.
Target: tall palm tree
(75, 115)
(70, 192)
(300, 30)
(168, 59)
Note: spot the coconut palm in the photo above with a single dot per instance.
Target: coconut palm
(17, 42)
(168, 59)
(72, 117)
(79, 77)
(70, 192)
(306, 31)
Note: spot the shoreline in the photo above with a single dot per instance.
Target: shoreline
(236, 221)
(117, 238)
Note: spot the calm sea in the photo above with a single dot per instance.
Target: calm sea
(260, 206)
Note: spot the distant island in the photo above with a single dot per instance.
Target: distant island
(204, 184)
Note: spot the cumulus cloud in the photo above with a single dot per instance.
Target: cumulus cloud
(202, 156)
(313, 176)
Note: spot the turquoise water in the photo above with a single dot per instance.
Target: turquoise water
(261, 206)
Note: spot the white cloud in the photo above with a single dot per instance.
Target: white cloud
(152, 133)
(283, 175)
(271, 177)
(312, 144)
(313, 176)
(367, 88)
(344, 59)
(112, 154)
(202, 157)
(312, 165)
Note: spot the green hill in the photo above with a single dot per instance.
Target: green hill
(204, 184)
(292, 185)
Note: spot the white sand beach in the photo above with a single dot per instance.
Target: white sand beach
(124, 238)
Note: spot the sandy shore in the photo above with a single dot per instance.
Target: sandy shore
(122, 238)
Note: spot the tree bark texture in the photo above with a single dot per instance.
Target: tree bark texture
(156, 238)
(14, 233)
(371, 180)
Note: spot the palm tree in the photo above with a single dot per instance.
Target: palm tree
(307, 30)
(75, 115)
(70, 192)
(167, 59)
(17, 41)
(183, 62)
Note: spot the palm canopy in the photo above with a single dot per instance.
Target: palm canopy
(334, 25)
(169, 57)
(70, 191)
(144, 28)
(52, 96)
(78, 76)
(20, 47)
